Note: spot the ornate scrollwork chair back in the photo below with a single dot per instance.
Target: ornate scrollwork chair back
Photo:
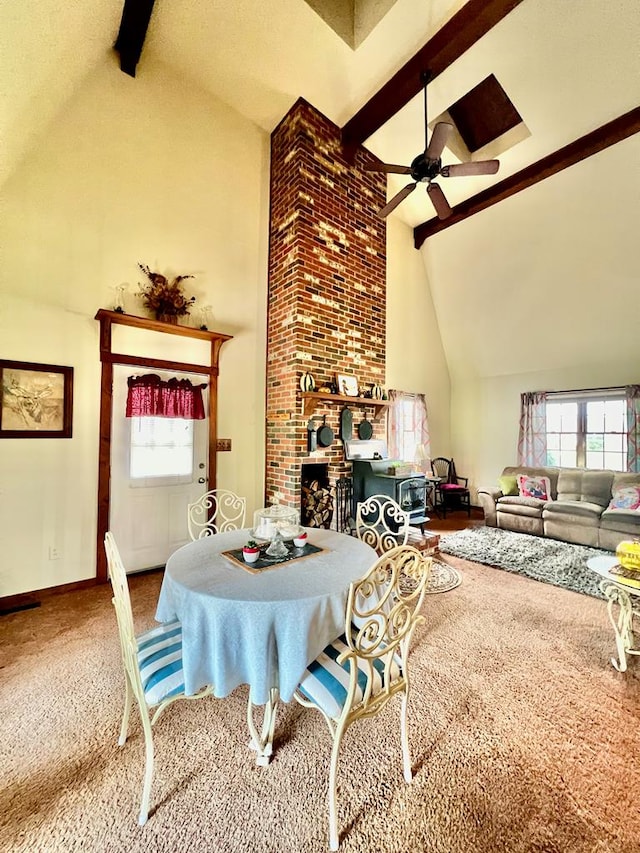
(382, 523)
(357, 674)
(216, 512)
(452, 491)
(152, 667)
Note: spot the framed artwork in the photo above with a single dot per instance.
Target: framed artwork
(347, 385)
(36, 400)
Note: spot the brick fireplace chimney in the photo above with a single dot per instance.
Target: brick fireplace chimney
(327, 290)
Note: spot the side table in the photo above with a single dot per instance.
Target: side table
(619, 593)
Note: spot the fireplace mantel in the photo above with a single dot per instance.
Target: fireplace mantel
(311, 399)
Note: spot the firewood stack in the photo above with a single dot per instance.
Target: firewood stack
(317, 505)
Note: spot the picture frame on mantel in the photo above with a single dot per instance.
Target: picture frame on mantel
(36, 400)
(347, 385)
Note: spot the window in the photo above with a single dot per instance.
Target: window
(408, 439)
(161, 448)
(587, 432)
(407, 427)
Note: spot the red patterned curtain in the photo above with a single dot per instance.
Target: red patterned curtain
(152, 397)
(532, 439)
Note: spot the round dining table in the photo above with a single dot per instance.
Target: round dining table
(260, 628)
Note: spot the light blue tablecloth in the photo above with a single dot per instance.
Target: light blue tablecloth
(257, 629)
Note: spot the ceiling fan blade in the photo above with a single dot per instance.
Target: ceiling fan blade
(438, 140)
(387, 167)
(439, 201)
(395, 201)
(480, 167)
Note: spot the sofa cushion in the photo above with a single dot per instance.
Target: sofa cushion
(570, 484)
(623, 520)
(515, 505)
(596, 487)
(575, 509)
(519, 500)
(534, 487)
(624, 479)
(626, 497)
(578, 484)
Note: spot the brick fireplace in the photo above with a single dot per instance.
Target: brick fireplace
(327, 291)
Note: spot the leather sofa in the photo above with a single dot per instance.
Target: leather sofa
(579, 510)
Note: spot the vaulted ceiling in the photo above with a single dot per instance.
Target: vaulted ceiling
(569, 67)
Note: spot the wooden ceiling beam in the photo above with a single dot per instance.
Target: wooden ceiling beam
(136, 15)
(591, 143)
(468, 25)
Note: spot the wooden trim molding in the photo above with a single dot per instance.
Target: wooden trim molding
(603, 137)
(134, 23)
(466, 27)
(108, 358)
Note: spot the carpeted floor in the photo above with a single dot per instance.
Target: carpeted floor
(560, 563)
(523, 737)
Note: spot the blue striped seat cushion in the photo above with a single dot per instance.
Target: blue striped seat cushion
(160, 662)
(326, 682)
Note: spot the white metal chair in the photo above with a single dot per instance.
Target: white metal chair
(382, 523)
(152, 667)
(356, 675)
(216, 512)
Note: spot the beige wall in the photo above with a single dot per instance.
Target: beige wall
(151, 170)
(539, 292)
(415, 358)
(498, 410)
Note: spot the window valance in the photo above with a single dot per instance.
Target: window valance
(151, 396)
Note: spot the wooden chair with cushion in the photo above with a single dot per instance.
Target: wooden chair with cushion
(452, 491)
(382, 523)
(356, 675)
(152, 667)
(215, 512)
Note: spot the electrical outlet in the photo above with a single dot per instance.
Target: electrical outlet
(54, 553)
(223, 444)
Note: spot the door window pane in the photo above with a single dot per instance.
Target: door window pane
(161, 447)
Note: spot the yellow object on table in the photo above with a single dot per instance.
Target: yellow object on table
(628, 554)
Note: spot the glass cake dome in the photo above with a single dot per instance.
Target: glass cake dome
(274, 518)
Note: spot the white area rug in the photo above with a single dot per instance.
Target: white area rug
(559, 563)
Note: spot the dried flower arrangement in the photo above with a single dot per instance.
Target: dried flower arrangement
(166, 299)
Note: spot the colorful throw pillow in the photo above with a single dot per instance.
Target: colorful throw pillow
(626, 497)
(534, 487)
(508, 484)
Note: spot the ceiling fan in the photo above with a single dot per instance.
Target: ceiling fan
(427, 166)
